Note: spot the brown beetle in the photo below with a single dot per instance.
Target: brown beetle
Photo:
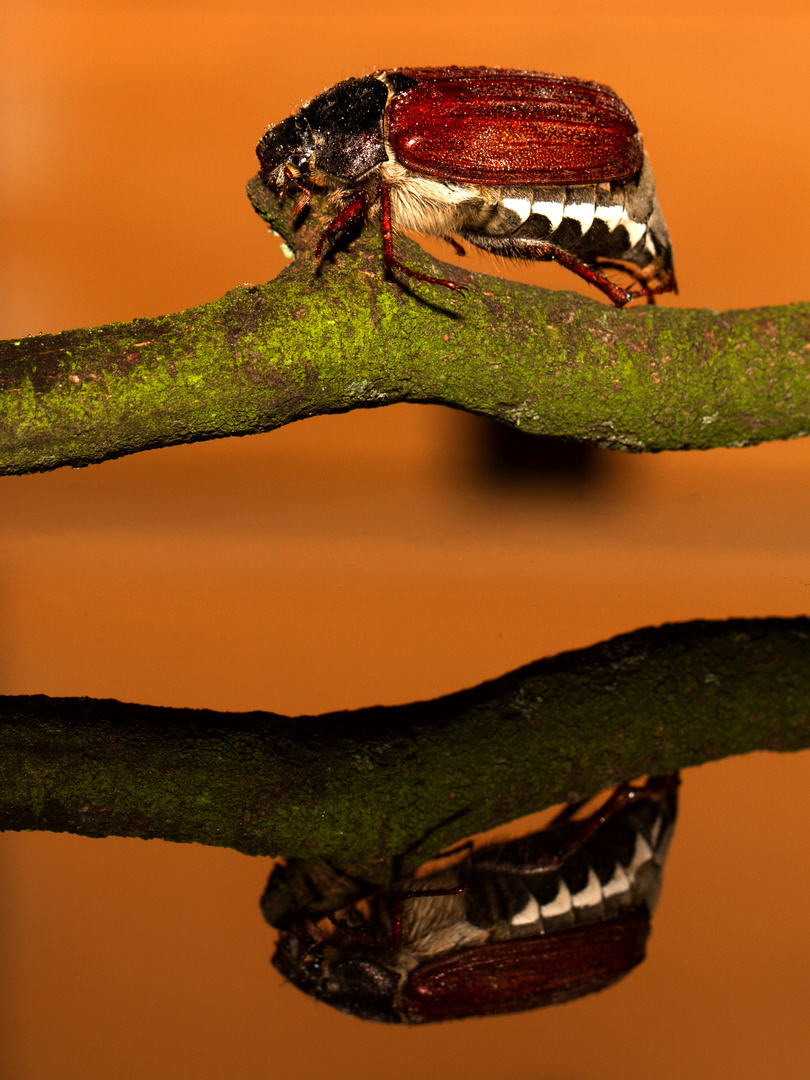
(523, 164)
(537, 921)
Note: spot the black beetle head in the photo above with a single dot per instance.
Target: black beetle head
(355, 985)
(338, 135)
(288, 145)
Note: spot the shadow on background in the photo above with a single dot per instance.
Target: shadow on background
(507, 456)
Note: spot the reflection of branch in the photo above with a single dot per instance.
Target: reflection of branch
(360, 787)
(551, 362)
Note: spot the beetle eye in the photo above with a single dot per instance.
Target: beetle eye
(301, 161)
(287, 144)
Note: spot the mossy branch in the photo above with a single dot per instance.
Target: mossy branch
(358, 788)
(307, 343)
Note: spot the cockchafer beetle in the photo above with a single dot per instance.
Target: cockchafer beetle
(536, 921)
(523, 164)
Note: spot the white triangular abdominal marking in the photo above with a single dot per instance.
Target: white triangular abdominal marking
(642, 854)
(635, 230)
(529, 914)
(583, 212)
(521, 207)
(611, 215)
(618, 885)
(553, 211)
(560, 905)
(591, 895)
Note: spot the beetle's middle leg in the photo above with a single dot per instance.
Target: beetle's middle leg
(392, 263)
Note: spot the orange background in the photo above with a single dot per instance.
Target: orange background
(372, 557)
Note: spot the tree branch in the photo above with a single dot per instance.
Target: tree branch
(360, 787)
(552, 363)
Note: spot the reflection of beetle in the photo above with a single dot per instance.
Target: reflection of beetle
(536, 921)
(525, 165)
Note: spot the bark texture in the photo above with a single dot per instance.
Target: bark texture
(360, 788)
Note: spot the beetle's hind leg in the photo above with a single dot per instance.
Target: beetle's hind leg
(545, 251)
(614, 292)
(643, 276)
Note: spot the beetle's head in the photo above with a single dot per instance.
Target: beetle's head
(344, 978)
(285, 149)
(333, 141)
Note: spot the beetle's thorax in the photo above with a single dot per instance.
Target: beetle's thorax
(434, 924)
(422, 204)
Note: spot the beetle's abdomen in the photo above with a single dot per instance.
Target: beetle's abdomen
(582, 220)
(618, 869)
(592, 221)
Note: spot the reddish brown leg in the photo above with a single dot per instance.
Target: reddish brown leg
(543, 250)
(350, 213)
(619, 798)
(643, 279)
(391, 261)
(614, 292)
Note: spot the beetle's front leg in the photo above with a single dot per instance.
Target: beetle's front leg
(349, 214)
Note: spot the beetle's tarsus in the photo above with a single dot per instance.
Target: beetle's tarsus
(643, 277)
